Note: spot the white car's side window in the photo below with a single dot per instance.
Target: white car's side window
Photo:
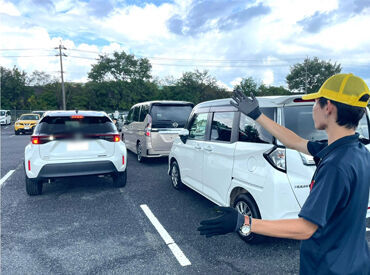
(222, 124)
(252, 131)
(198, 126)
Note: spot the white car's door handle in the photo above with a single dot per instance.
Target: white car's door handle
(208, 148)
(197, 147)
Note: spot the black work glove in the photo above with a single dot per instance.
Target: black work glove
(230, 221)
(249, 107)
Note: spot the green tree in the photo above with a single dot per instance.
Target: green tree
(14, 92)
(248, 85)
(311, 74)
(264, 90)
(121, 66)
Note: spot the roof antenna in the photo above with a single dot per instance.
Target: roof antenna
(76, 111)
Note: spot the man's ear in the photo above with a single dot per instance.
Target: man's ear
(330, 108)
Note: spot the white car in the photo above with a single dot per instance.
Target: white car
(74, 143)
(5, 117)
(232, 161)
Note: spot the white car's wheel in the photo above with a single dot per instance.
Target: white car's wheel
(120, 178)
(246, 206)
(175, 176)
(33, 186)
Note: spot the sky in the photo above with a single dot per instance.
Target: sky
(231, 39)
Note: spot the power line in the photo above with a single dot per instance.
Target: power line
(13, 56)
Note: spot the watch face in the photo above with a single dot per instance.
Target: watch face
(245, 230)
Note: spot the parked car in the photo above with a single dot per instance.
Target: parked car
(71, 143)
(151, 127)
(5, 117)
(40, 113)
(232, 161)
(26, 123)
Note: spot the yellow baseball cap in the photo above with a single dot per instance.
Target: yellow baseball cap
(345, 88)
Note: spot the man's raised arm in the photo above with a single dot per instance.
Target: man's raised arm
(250, 107)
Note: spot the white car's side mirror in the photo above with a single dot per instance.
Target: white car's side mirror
(184, 134)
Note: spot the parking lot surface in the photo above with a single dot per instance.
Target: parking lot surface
(87, 226)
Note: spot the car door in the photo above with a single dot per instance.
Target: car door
(191, 156)
(219, 158)
(127, 130)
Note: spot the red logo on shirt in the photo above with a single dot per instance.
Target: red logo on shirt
(312, 183)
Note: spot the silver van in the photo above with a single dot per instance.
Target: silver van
(151, 127)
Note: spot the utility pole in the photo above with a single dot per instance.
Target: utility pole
(61, 47)
(305, 66)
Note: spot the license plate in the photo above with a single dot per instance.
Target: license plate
(26, 127)
(78, 146)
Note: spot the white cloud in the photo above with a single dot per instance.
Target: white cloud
(265, 46)
(9, 9)
(268, 77)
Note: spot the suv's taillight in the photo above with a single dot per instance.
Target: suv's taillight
(148, 127)
(277, 158)
(41, 139)
(108, 137)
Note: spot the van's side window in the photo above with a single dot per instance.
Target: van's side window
(222, 124)
(251, 131)
(144, 111)
(197, 129)
(129, 116)
(135, 116)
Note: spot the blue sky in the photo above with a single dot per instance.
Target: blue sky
(231, 39)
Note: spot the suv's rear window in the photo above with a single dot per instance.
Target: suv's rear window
(167, 116)
(299, 120)
(67, 125)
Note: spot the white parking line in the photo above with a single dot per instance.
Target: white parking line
(12, 136)
(3, 179)
(176, 251)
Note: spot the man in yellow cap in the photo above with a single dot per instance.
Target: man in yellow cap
(332, 221)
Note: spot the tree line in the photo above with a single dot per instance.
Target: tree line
(122, 80)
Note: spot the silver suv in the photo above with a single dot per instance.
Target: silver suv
(151, 127)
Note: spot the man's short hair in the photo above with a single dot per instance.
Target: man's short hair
(347, 115)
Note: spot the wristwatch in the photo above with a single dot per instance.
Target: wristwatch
(245, 230)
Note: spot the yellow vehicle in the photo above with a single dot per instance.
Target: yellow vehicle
(26, 123)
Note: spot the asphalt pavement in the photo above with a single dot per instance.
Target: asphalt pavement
(87, 226)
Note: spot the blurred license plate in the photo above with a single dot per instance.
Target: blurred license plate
(78, 146)
(26, 127)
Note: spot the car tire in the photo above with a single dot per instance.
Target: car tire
(16, 133)
(120, 178)
(33, 186)
(175, 176)
(247, 206)
(139, 153)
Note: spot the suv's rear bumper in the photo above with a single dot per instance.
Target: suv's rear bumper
(76, 169)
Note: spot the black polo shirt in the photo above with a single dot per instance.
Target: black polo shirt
(338, 203)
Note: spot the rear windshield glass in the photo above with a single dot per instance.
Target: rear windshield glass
(170, 116)
(67, 125)
(299, 120)
(30, 117)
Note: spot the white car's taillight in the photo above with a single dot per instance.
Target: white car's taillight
(148, 127)
(277, 158)
(307, 159)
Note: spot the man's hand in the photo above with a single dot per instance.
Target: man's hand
(230, 221)
(249, 107)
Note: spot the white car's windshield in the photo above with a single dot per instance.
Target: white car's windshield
(2, 113)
